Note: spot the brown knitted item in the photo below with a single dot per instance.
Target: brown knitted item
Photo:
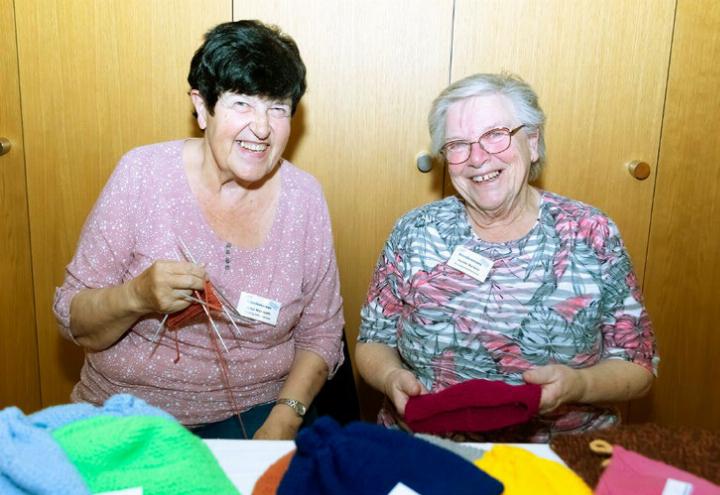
(692, 450)
(268, 483)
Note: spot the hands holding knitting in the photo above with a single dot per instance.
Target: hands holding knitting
(560, 384)
(400, 384)
(165, 285)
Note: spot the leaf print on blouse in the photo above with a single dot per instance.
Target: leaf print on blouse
(630, 338)
(435, 289)
(631, 281)
(381, 288)
(569, 308)
(594, 230)
(506, 353)
(544, 338)
(445, 371)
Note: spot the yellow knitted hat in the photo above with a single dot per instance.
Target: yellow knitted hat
(523, 472)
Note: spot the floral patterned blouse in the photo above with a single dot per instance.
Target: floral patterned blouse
(565, 293)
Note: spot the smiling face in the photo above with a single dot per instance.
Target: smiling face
(493, 186)
(246, 135)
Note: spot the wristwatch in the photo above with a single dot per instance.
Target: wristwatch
(296, 405)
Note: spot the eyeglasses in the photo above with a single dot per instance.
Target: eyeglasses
(492, 142)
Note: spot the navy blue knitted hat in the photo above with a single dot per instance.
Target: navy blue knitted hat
(368, 459)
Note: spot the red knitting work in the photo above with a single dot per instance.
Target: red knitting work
(177, 320)
(473, 406)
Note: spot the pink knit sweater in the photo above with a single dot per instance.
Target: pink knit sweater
(145, 207)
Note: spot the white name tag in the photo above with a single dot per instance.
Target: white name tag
(259, 308)
(677, 487)
(402, 489)
(126, 491)
(473, 264)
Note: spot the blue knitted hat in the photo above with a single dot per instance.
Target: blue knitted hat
(368, 459)
(26, 439)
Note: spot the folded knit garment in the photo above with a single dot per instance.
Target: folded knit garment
(22, 446)
(630, 473)
(696, 451)
(524, 473)
(268, 482)
(473, 406)
(31, 461)
(368, 459)
(468, 452)
(157, 454)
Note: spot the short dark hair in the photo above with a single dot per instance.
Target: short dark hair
(247, 57)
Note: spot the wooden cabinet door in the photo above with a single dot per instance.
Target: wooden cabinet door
(682, 278)
(600, 70)
(96, 78)
(373, 69)
(19, 383)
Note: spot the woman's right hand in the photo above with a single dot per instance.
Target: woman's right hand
(400, 385)
(165, 285)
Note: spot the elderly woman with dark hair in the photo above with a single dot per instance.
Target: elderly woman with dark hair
(224, 209)
(505, 281)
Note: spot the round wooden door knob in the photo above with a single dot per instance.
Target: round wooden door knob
(638, 169)
(5, 145)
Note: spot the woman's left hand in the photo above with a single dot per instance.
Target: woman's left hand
(560, 384)
(281, 424)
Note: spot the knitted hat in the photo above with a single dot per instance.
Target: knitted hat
(691, 449)
(268, 483)
(22, 446)
(116, 405)
(473, 406)
(157, 454)
(630, 472)
(368, 459)
(524, 473)
(25, 439)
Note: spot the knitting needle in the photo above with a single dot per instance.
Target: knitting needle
(225, 303)
(195, 299)
(186, 252)
(222, 307)
(204, 306)
(160, 326)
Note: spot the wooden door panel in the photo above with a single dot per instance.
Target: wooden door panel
(97, 78)
(600, 70)
(19, 378)
(373, 69)
(682, 279)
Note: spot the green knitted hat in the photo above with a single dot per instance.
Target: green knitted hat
(157, 454)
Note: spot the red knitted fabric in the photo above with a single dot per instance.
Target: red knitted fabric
(473, 406)
(176, 320)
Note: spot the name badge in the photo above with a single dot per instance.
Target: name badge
(259, 308)
(677, 487)
(402, 489)
(473, 264)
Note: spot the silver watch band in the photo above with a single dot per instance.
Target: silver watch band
(296, 405)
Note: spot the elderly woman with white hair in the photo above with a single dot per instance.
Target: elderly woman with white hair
(547, 295)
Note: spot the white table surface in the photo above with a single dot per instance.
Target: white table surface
(244, 461)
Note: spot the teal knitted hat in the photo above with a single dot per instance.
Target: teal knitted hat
(155, 453)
